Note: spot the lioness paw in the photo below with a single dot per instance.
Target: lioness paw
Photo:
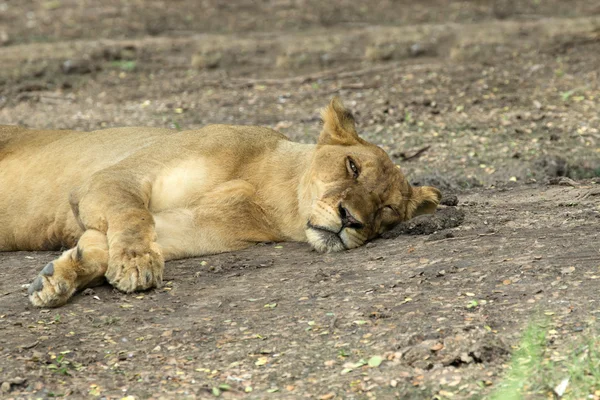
(130, 270)
(49, 290)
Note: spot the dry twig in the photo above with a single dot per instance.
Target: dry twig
(418, 154)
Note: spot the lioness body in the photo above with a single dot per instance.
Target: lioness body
(177, 171)
(38, 171)
(125, 200)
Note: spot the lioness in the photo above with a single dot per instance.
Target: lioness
(124, 200)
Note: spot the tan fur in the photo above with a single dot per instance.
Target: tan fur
(125, 200)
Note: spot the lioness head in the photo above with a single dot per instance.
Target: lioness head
(357, 191)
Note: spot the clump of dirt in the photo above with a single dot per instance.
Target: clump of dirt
(444, 218)
(458, 349)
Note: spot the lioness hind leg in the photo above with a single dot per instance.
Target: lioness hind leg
(76, 269)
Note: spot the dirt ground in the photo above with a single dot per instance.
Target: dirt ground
(495, 102)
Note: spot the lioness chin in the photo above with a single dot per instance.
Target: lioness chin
(125, 200)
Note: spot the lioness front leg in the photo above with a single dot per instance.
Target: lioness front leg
(117, 204)
(76, 269)
(135, 261)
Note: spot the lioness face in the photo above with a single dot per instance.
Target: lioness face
(357, 191)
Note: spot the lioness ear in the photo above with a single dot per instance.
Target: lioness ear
(424, 200)
(339, 127)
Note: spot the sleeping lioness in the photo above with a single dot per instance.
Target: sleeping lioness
(125, 200)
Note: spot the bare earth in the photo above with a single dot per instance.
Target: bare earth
(493, 101)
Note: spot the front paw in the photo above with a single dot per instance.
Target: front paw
(49, 289)
(130, 269)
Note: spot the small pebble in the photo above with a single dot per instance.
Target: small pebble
(18, 380)
(80, 66)
(417, 50)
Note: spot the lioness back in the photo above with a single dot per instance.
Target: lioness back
(39, 168)
(7, 134)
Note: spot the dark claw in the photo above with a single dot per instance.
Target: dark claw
(36, 285)
(148, 277)
(48, 270)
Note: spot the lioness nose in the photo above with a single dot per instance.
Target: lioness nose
(348, 220)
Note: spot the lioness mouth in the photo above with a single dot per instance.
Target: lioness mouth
(330, 237)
